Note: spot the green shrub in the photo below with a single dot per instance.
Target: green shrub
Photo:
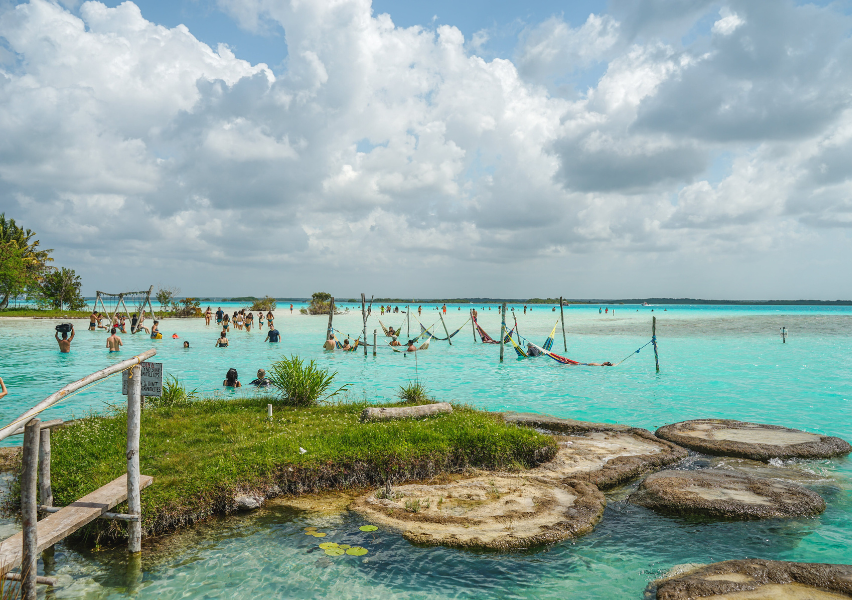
(174, 394)
(302, 384)
(414, 391)
(265, 304)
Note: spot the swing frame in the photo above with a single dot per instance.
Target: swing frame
(99, 297)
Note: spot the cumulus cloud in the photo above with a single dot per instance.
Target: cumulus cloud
(388, 151)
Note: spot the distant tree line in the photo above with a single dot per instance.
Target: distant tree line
(26, 272)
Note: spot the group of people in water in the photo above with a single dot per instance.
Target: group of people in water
(242, 319)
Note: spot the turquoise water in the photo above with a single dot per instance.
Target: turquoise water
(715, 362)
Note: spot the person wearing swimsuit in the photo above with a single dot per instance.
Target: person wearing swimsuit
(260, 319)
(222, 342)
(269, 320)
(208, 316)
(93, 318)
(249, 321)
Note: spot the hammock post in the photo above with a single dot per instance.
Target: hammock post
(562, 318)
(447, 333)
(408, 321)
(364, 317)
(502, 330)
(374, 344)
(654, 340)
(330, 331)
(473, 325)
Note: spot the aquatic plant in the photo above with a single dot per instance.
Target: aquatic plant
(302, 384)
(174, 394)
(412, 392)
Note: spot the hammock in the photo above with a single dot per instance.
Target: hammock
(520, 351)
(487, 339)
(387, 331)
(548, 343)
(452, 335)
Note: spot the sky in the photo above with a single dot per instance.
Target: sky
(589, 149)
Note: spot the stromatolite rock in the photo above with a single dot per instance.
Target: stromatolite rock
(722, 494)
(499, 512)
(248, 501)
(600, 453)
(757, 580)
(724, 437)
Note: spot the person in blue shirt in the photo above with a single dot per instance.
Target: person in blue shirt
(272, 335)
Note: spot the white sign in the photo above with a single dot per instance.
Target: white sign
(152, 379)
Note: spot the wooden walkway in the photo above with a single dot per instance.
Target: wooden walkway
(69, 519)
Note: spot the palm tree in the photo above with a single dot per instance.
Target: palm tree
(35, 259)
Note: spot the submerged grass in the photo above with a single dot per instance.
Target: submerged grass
(202, 453)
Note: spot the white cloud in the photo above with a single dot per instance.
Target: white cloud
(729, 22)
(386, 150)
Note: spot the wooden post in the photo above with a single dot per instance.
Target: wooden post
(374, 342)
(654, 340)
(447, 333)
(29, 506)
(502, 330)
(364, 317)
(134, 499)
(473, 325)
(269, 411)
(45, 491)
(562, 318)
(408, 321)
(330, 331)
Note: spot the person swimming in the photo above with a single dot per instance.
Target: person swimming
(232, 379)
(222, 342)
(261, 380)
(113, 341)
(186, 344)
(329, 343)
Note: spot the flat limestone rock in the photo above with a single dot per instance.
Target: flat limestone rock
(796, 473)
(724, 437)
(498, 512)
(557, 424)
(757, 580)
(608, 458)
(727, 495)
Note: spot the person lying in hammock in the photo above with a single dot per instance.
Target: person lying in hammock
(604, 364)
(346, 345)
(391, 332)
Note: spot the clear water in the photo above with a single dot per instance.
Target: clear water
(715, 362)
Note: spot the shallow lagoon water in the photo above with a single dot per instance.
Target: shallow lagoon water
(715, 362)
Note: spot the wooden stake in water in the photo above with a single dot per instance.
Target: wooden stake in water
(473, 325)
(29, 506)
(364, 317)
(330, 318)
(654, 340)
(408, 321)
(562, 318)
(134, 492)
(502, 330)
(783, 335)
(374, 343)
(447, 333)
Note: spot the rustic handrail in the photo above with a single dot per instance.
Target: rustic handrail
(73, 387)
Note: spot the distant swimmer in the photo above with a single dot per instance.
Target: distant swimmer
(419, 310)
(525, 309)
(272, 335)
(186, 344)
(113, 341)
(232, 379)
(222, 342)
(65, 342)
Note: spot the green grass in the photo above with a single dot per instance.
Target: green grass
(201, 453)
(47, 313)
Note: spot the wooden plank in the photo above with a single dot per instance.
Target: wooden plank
(44, 425)
(59, 525)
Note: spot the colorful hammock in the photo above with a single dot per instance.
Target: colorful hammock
(487, 339)
(387, 331)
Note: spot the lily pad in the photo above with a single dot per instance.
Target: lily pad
(368, 528)
(357, 551)
(344, 546)
(327, 545)
(310, 528)
(319, 534)
(335, 551)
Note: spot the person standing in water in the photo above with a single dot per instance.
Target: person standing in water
(272, 335)
(113, 341)
(65, 342)
(208, 316)
(291, 309)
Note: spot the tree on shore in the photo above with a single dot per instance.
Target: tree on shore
(34, 260)
(61, 289)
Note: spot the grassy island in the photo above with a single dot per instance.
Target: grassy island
(202, 453)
